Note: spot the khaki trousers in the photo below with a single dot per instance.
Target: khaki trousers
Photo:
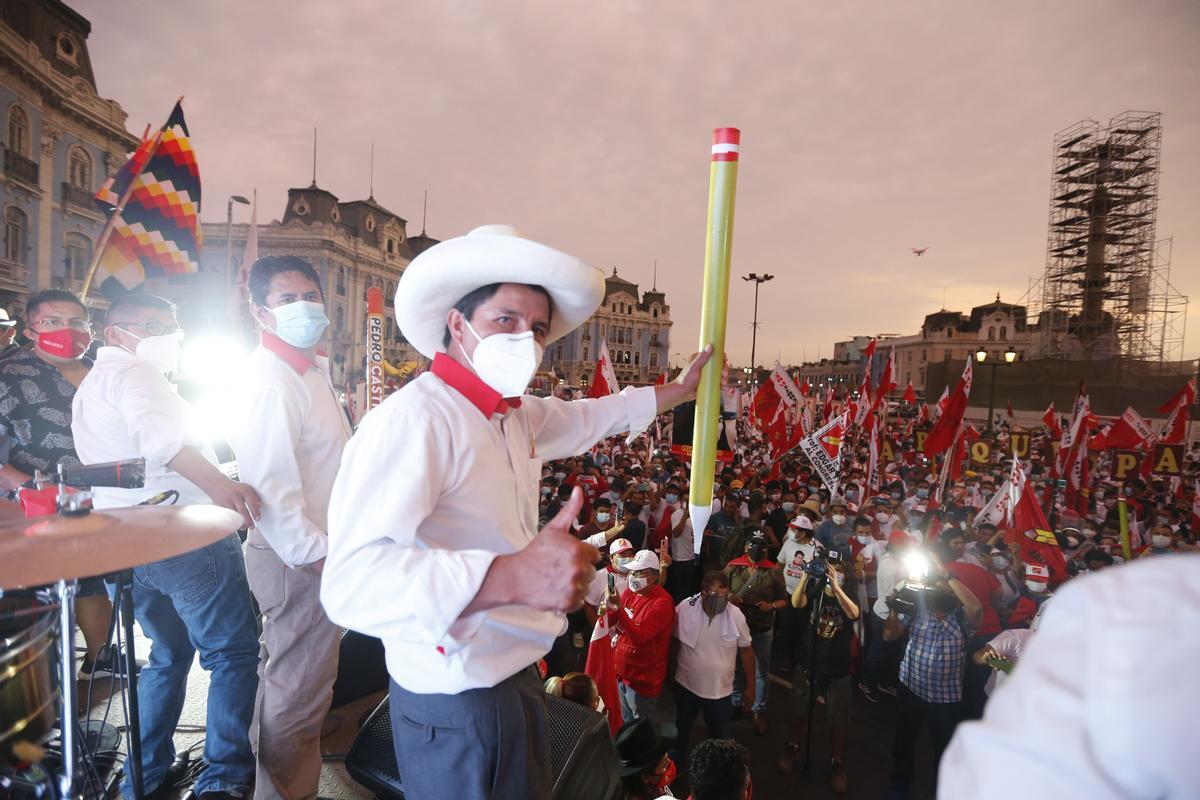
(297, 667)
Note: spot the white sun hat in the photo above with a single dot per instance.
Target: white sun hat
(445, 273)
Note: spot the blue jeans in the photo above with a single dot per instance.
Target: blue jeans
(761, 643)
(198, 601)
(634, 705)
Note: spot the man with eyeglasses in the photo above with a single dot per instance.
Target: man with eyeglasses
(36, 388)
(199, 601)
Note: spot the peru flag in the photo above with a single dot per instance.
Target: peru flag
(604, 382)
(948, 423)
(1131, 430)
(910, 395)
(601, 669)
(1050, 420)
(1185, 396)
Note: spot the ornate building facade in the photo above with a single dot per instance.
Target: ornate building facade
(61, 140)
(637, 328)
(354, 245)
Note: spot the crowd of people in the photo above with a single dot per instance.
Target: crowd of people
(857, 594)
(478, 531)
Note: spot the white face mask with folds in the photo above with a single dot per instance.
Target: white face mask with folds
(505, 361)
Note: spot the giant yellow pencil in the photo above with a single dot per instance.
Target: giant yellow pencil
(718, 246)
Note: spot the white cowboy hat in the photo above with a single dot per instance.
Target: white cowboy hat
(445, 273)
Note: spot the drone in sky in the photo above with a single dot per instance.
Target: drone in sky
(920, 251)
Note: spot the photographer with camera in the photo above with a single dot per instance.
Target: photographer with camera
(940, 614)
(824, 666)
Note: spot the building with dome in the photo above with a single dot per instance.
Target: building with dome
(637, 328)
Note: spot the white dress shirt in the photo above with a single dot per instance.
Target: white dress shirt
(1103, 703)
(431, 489)
(125, 408)
(289, 438)
(708, 648)
(888, 575)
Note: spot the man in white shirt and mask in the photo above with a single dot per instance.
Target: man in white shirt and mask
(196, 602)
(433, 540)
(288, 433)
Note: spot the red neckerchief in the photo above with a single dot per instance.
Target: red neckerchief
(289, 354)
(468, 384)
(744, 561)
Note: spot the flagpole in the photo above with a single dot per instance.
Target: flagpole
(102, 242)
(713, 310)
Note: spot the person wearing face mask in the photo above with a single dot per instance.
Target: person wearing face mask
(1033, 595)
(881, 663)
(200, 601)
(775, 526)
(757, 588)
(835, 532)
(824, 665)
(37, 385)
(642, 617)
(8, 333)
(602, 519)
(289, 435)
(620, 553)
(712, 635)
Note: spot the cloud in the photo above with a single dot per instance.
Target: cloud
(867, 130)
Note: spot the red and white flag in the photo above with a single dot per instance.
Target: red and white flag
(946, 429)
(604, 382)
(1014, 507)
(601, 668)
(1186, 396)
(824, 451)
(1131, 430)
(1174, 430)
(1050, 420)
(1071, 461)
(940, 406)
(910, 394)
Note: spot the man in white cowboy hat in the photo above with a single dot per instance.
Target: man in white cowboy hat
(433, 540)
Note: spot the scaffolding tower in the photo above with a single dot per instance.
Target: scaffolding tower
(1106, 292)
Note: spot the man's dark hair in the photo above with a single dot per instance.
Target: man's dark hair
(717, 770)
(267, 267)
(474, 299)
(861, 521)
(602, 502)
(127, 306)
(1093, 556)
(39, 299)
(714, 579)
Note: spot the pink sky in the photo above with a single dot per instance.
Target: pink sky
(867, 129)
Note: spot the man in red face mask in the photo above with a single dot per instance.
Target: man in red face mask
(36, 389)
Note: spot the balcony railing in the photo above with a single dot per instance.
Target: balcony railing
(19, 167)
(72, 195)
(13, 274)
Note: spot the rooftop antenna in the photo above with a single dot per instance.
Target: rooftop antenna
(371, 190)
(654, 288)
(314, 182)
(424, 209)
(943, 298)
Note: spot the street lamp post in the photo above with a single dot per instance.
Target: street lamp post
(233, 198)
(758, 281)
(981, 356)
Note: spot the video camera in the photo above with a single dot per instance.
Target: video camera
(816, 566)
(916, 593)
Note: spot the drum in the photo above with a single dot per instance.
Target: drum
(28, 676)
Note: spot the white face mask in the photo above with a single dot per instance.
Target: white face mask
(882, 518)
(161, 351)
(863, 539)
(637, 583)
(505, 361)
(839, 519)
(1037, 587)
(1160, 541)
(300, 324)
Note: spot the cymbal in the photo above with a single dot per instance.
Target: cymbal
(41, 550)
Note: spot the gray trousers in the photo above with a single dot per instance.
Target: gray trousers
(481, 744)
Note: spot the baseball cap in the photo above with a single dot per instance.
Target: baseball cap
(899, 538)
(620, 546)
(645, 559)
(802, 522)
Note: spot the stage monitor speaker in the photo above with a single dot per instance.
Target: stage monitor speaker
(362, 669)
(583, 761)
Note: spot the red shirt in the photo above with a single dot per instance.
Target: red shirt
(981, 583)
(644, 623)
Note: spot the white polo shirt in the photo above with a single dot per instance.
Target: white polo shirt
(289, 438)
(438, 481)
(708, 648)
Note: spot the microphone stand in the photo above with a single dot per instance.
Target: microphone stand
(817, 610)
